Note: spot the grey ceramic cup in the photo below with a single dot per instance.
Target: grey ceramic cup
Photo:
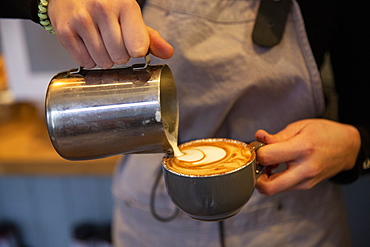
(217, 197)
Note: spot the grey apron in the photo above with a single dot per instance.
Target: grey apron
(230, 87)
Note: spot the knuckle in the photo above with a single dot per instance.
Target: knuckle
(121, 60)
(266, 190)
(313, 171)
(84, 60)
(269, 192)
(105, 64)
(87, 64)
(97, 5)
(306, 186)
(154, 32)
(263, 157)
(307, 148)
(129, 5)
(138, 53)
(66, 36)
(100, 8)
(80, 20)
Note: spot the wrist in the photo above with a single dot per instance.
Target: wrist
(355, 140)
(44, 17)
(362, 163)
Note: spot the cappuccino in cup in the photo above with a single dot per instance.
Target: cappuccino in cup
(209, 157)
(212, 179)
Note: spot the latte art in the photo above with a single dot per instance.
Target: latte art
(202, 154)
(209, 157)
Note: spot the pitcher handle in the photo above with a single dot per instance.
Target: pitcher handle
(138, 66)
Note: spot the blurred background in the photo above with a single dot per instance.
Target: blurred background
(47, 201)
(44, 200)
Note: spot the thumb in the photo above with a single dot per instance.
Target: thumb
(265, 137)
(286, 134)
(159, 47)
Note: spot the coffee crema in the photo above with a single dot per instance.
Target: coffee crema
(209, 157)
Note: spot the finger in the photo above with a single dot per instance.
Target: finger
(263, 136)
(281, 152)
(159, 47)
(288, 180)
(289, 132)
(285, 146)
(134, 31)
(113, 40)
(75, 47)
(92, 39)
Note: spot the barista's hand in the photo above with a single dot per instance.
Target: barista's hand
(103, 32)
(313, 149)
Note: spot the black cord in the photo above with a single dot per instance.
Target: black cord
(221, 231)
(174, 215)
(152, 200)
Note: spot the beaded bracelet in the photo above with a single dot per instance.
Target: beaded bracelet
(43, 15)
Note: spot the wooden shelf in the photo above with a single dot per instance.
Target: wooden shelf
(25, 148)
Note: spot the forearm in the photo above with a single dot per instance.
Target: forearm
(19, 9)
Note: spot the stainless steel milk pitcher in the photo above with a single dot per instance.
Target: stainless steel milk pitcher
(98, 113)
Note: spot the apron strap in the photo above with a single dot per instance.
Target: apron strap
(141, 3)
(270, 22)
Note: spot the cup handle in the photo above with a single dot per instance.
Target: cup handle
(256, 145)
